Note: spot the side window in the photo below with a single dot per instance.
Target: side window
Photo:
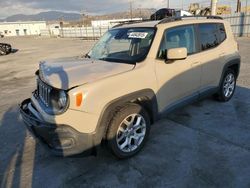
(222, 32)
(209, 36)
(177, 37)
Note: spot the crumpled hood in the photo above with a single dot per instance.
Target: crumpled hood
(70, 72)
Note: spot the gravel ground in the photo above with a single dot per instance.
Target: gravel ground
(206, 144)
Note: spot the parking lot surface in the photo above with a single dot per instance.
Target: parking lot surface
(206, 144)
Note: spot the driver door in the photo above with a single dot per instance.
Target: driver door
(179, 79)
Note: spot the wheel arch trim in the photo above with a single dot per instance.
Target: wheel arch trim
(235, 61)
(112, 105)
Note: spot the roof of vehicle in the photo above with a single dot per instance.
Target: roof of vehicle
(150, 23)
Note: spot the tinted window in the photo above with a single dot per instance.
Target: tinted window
(209, 36)
(176, 38)
(222, 32)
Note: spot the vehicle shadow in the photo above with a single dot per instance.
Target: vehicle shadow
(21, 155)
(15, 139)
(25, 163)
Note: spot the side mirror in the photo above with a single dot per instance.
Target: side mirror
(176, 53)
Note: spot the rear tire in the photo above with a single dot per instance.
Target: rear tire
(227, 87)
(128, 130)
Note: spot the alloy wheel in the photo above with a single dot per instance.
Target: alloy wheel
(229, 85)
(131, 133)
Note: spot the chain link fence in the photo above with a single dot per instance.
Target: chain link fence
(240, 23)
(88, 33)
(83, 32)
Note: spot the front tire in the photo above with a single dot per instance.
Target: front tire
(128, 131)
(227, 87)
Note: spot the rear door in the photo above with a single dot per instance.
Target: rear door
(211, 37)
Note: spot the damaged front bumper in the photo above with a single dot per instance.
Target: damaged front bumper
(61, 140)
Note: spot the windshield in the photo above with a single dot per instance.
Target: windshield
(128, 45)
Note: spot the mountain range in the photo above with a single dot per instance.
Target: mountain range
(57, 15)
(43, 16)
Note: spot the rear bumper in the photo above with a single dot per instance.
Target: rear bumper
(61, 140)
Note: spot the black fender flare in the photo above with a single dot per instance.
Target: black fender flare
(235, 61)
(110, 108)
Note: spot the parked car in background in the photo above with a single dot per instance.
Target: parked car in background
(162, 13)
(182, 13)
(1, 34)
(5, 49)
(166, 12)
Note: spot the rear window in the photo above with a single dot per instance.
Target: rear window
(211, 35)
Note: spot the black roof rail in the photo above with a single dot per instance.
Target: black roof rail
(121, 23)
(165, 20)
(172, 19)
(215, 17)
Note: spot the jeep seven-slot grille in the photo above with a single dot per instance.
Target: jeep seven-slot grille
(43, 91)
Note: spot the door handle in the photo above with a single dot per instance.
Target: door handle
(195, 64)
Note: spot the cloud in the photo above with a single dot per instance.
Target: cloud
(11, 7)
(18, 9)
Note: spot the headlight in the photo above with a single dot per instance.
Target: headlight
(59, 102)
(54, 101)
(62, 101)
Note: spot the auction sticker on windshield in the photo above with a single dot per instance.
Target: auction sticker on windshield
(137, 35)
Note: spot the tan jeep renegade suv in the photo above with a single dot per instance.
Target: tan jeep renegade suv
(135, 74)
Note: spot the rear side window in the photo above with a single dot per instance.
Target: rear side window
(177, 37)
(209, 36)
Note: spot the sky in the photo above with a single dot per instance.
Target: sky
(11, 7)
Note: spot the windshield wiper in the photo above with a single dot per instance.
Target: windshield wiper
(116, 60)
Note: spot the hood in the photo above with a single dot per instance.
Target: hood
(70, 72)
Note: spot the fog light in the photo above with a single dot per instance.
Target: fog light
(62, 143)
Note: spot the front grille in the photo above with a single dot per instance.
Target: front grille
(43, 91)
